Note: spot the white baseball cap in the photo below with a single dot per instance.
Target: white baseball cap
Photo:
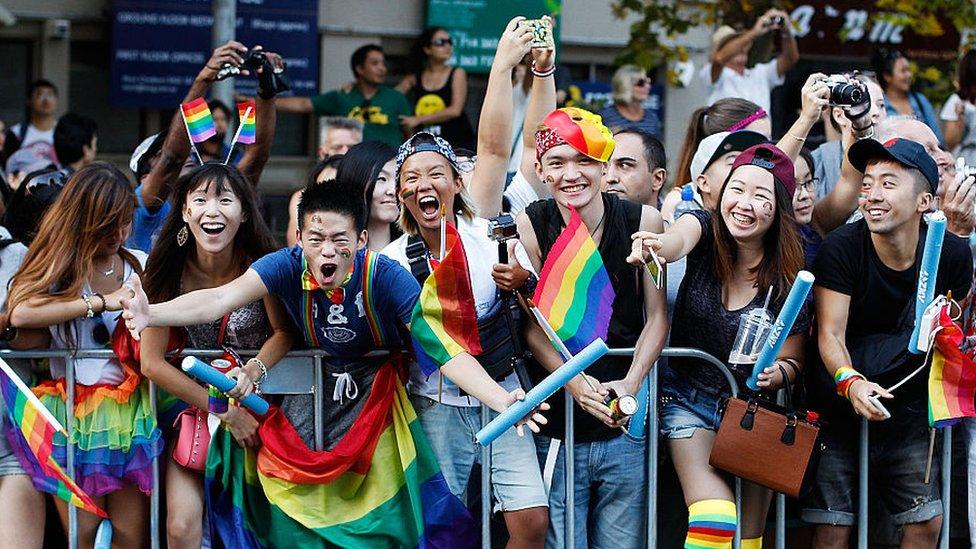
(718, 144)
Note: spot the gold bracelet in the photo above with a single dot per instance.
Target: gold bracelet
(800, 139)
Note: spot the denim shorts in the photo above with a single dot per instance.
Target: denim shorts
(897, 450)
(684, 407)
(516, 480)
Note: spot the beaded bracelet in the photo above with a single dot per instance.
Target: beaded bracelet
(542, 74)
(844, 377)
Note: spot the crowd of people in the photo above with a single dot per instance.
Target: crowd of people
(184, 259)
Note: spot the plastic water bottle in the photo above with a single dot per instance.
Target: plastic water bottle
(687, 203)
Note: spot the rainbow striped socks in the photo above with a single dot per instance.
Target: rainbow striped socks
(711, 524)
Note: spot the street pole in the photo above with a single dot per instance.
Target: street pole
(224, 29)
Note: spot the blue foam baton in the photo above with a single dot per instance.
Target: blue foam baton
(927, 275)
(209, 375)
(545, 389)
(782, 326)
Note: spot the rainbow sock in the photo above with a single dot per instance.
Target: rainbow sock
(752, 543)
(711, 524)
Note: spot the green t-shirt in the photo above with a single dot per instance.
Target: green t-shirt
(380, 114)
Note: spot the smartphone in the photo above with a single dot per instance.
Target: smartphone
(655, 270)
(875, 401)
(541, 33)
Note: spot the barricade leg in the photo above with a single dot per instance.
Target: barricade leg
(570, 452)
(862, 487)
(485, 485)
(318, 400)
(737, 538)
(652, 451)
(154, 495)
(69, 380)
(946, 482)
(781, 498)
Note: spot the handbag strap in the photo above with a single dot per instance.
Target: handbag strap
(788, 387)
(223, 330)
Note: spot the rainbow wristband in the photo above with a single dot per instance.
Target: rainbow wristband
(216, 401)
(844, 377)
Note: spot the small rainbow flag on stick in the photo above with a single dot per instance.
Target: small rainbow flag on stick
(952, 377)
(247, 131)
(445, 323)
(31, 433)
(574, 291)
(199, 122)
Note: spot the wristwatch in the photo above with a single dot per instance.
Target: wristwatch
(528, 287)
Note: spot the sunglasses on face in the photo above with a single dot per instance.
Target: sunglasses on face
(641, 82)
(442, 42)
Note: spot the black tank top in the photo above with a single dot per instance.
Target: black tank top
(457, 131)
(626, 321)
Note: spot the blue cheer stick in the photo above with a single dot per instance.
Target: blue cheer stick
(927, 274)
(103, 535)
(545, 389)
(782, 326)
(211, 376)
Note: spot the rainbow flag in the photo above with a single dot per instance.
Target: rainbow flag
(445, 323)
(248, 130)
(199, 121)
(31, 437)
(574, 291)
(952, 377)
(379, 486)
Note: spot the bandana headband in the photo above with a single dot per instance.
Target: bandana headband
(435, 144)
(761, 113)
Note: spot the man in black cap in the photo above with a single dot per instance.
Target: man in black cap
(867, 275)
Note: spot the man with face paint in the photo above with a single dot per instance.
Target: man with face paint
(867, 276)
(572, 149)
(347, 301)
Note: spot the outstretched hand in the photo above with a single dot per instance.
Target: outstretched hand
(135, 310)
(642, 244)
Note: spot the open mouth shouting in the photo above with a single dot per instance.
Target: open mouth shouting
(430, 207)
(328, 271)
(213, 228)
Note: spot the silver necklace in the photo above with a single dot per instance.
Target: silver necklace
(111, 269)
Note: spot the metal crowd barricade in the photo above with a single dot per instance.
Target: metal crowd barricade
(293, 375)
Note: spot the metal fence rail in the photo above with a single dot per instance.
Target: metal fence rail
(300, 372)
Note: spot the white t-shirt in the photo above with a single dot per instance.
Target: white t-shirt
(754, 84)
(91, 371)
(33, 134)
(967, 146)
(482, 254)
(519, 194)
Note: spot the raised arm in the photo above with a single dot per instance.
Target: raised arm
(814, 98)
(192, 308)
(789, 50)
(176, 147)
(542, 101)
(256, 155)
(834, 209)
(495, 123)
(301, 105)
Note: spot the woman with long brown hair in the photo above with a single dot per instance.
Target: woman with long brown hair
(739, 256)
(71, 282)
(213, 233)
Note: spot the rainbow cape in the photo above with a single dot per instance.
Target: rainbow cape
(248, 127)
(32, 438)
(952, 377)
(574, 291)
(379, 486)
(445, 323)
(199, 121)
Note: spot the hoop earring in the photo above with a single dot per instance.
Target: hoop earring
(182, 236)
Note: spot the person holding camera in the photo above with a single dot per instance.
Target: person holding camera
(428, 178)
(727, 74)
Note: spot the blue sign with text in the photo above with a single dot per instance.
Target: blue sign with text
(159, 47)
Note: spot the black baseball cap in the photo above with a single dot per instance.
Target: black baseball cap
(906, 152)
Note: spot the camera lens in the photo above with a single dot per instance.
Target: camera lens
(845, 94)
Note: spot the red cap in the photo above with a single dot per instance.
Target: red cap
(770, 158)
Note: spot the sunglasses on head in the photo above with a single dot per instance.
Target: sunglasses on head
(442, 42)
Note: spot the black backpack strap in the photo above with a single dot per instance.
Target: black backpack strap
(417, 258)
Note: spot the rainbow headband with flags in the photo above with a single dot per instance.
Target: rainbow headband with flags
(578, 128)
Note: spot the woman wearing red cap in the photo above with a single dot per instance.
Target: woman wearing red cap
(748, 247)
